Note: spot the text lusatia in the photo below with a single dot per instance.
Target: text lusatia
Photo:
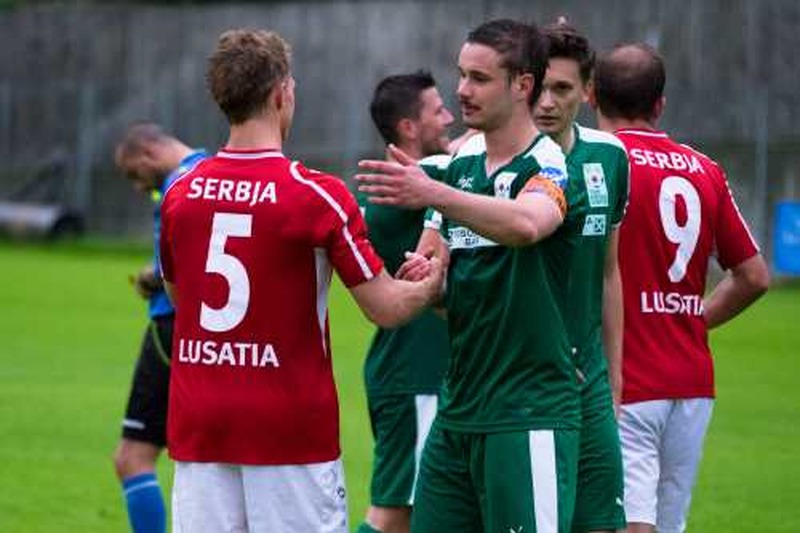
(671, 303)
(240, 354)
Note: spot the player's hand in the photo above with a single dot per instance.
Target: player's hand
(146, 283)
(415, 267)
(434, 280)
(400, 183)
(417, 264)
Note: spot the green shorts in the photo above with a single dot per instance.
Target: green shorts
(400, 425)
(599, 498)
(521, 481)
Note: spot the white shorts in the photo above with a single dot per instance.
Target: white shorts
(217, 497)
(662, 442)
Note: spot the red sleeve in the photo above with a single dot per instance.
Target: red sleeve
(350, 251)
(345, 233)
(733, 241)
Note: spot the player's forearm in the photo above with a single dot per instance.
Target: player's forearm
(507, 222)
(403, 301)
(390, 302)
(743, 285)
(430, 243)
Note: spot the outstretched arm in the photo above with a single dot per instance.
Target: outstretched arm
(520, 222)
(390, 302)
(742, 285)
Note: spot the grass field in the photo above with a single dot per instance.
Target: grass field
(71, 328)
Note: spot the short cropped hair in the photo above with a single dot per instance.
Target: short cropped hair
(522, 47)
(629, 81)
(398, 97)
(565, 42)
(244, 69)
(138, 136)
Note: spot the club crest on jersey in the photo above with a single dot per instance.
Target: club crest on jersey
(595, 181)
(594, 225)
(556, 175)
(502, 184)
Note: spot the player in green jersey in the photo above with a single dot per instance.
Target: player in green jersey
(502, 454)
(598, 170)
(404, 366)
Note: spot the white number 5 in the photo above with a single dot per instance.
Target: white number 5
(684, 236)
(232, 313)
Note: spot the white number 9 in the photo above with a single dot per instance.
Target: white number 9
(684, 236)
(232, 313)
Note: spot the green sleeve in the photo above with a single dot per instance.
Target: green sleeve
(435, 166)
(622, 189)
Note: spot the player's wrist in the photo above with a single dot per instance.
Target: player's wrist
(440, 196)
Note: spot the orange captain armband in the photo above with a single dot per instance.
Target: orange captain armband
(546, 186)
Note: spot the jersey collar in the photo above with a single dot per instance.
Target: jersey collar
(642, 132)
(229, 153)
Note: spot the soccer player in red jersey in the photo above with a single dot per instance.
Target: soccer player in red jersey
(249, 240)
(681, 212)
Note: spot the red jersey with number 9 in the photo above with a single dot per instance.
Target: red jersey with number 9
(249, 240)
(681, 212)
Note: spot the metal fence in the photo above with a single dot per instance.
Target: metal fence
(72, 77)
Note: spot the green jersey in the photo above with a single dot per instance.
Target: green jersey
(598, 192)
(410, 359)
(511, 366)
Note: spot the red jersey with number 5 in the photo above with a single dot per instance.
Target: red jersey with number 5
(681, 212)
(249, 240)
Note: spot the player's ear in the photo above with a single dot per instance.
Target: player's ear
(407, 129)
(658, 108)
(525, 84)
(149, 153)
(588, 89)
(282, 94)
(591, 97)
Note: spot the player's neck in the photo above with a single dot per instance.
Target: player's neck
(614, 124)
(509, 140)
(174, 154)
(566, 139)
(255, 134)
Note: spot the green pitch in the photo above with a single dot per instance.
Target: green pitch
(71, 327)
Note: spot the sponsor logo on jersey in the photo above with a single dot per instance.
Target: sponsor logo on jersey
(595, 225)
(463, 238)
(240, 354)
(595, 181)
(556, 175)
(502, 184)
(465, 183)
(666, 160)
(671, 303)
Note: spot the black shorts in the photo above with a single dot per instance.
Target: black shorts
(146, 415)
